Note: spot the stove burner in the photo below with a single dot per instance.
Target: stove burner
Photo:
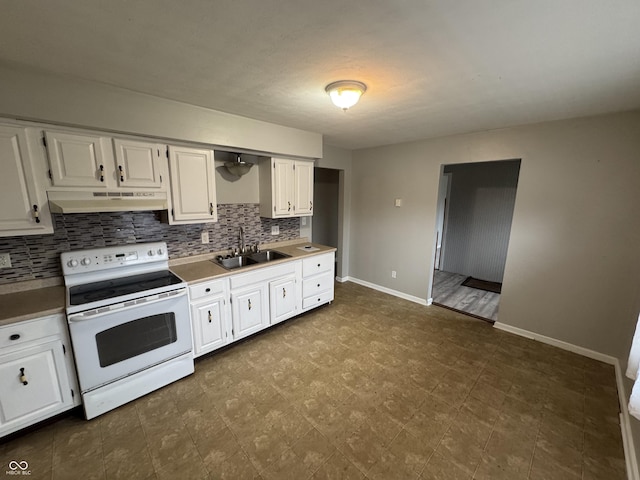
(118, 287)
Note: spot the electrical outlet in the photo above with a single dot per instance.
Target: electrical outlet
(205, 237)
(393, 274)
(5, 260)
(275, 230)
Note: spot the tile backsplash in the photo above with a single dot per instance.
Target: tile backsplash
(38, 256)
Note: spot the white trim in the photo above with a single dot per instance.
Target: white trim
(557, 343)
(342, 279)
(390, 291)
(429, 301)
(625, 426)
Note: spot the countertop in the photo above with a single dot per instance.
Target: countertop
(17, 306)
(28, 304)
(202, 268)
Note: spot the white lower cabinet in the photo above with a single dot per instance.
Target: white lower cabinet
(209, 316)
(36, 372)
(257, 299)
(250, 310)
(317, 280)
(283, 299)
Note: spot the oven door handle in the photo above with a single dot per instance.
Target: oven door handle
(121, 307)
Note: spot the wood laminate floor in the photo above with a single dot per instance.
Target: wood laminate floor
(448, 292)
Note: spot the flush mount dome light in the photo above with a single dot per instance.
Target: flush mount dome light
(345, 93)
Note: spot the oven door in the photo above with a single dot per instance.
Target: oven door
(117, 341)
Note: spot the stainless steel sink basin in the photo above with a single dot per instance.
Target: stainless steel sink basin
(267, 256)
(235, 262)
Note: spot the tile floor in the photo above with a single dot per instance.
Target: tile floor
(370, 387)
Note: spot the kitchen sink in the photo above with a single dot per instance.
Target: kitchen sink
(231, 263)
(235, 262)
(268, 256)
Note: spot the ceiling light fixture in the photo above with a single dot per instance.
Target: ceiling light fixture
(345, 93)
(238, 167)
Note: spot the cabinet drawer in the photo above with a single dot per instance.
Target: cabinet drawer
(317, 300)
(315, 285)
(203, 289)
(30, 330)
(317, 264)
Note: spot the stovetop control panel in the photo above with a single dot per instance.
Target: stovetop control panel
(96, 259)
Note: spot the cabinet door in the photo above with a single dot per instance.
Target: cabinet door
(79, 160)
(250, 310)
(46, 390)
(303, 187)
(283, 299)
(282, 187)
(192, 185)
(209, 326)
(138, 164)
(21, 210)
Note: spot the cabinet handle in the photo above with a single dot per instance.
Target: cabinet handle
(289, 209)
(211, 209)
(249, 304)
(121, 173)
(23, 377)
(15, 336)
(284, 293)
(102, 173)
(310, 205)
(36, 213)
(209, 316)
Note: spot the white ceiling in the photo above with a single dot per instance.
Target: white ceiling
(433, 68)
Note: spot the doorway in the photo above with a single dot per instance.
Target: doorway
(326, 210)
(473, 225)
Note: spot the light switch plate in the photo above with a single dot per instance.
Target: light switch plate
(205, 237)
(275, 230)
(5, 260)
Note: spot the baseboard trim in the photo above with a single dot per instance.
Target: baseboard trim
(342, 279)
(633, 473)
(585, 352)
(390, 291)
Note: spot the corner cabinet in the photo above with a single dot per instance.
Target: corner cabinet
(36, 372)
(286, 188)
(193, 189)
(24, 209)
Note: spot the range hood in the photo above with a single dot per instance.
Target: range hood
(91, 202)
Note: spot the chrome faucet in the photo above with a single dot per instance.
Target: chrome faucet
(241, 241)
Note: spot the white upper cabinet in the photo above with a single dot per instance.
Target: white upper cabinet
(138, 164)
(193, 192)
(303, 188)
(23, 205)
(89, 161)
(79, 160)
(286, 188)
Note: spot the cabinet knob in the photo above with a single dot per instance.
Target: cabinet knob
(23, 377)
(289, 209)
(211, 209)
(102, 173)
(207, 290)
(318, 285)
(284, 293)
(36, 213)
(121, 173)
(15, 336)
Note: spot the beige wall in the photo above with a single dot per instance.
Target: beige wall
(31, 95)
(573, 264)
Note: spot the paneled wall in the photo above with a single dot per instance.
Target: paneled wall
(38, 256)
(480, 210)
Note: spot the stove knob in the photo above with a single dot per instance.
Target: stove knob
(85, 261)
(151, 253)
(72, 263)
